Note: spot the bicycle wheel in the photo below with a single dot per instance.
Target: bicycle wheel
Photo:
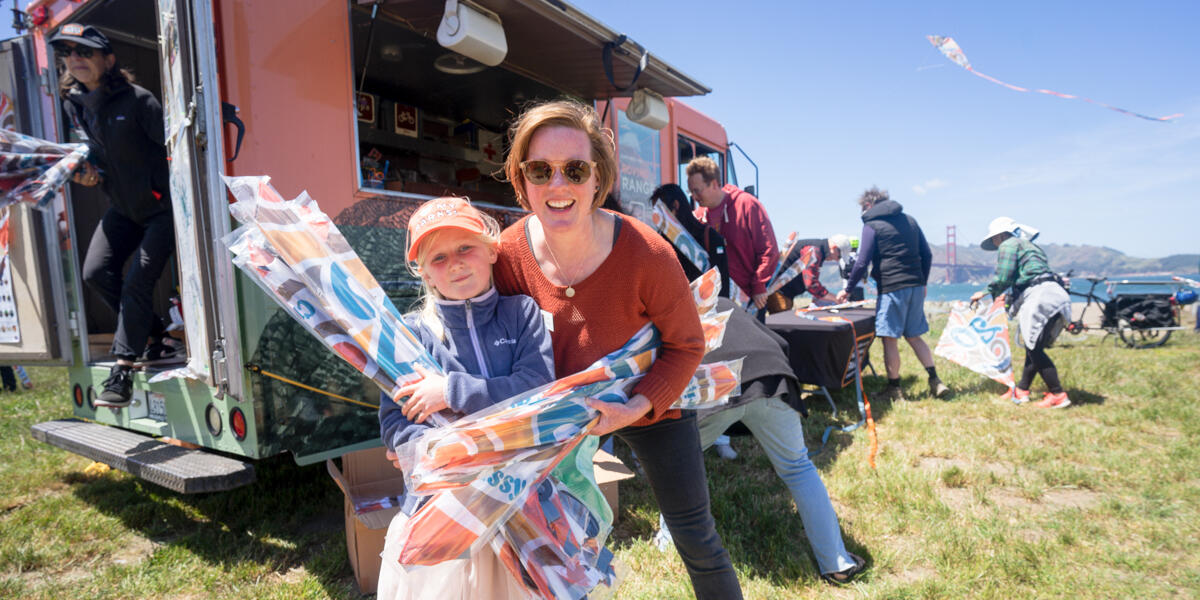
(1143, 338)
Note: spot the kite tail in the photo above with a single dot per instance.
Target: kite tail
(871, 432)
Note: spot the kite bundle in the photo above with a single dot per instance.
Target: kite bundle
(31, 169)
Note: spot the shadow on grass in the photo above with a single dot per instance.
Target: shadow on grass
(290, 518)
(754, 513)
(1080, 397)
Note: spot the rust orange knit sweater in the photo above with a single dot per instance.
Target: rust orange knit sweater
(640, 281)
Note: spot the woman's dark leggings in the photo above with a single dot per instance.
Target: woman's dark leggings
(1037, 361)
(670, 454)
(130, 294)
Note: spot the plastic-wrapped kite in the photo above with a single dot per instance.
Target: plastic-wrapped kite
(31, 169)
(669, 226)
(978, 340)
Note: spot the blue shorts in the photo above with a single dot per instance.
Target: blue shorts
(901, 313)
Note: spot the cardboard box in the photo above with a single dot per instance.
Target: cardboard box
(371, 485)
(609, 472)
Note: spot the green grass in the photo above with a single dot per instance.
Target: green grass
(973, 497)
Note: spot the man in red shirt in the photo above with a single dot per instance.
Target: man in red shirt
(749, 238)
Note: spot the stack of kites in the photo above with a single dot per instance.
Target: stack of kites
(32, 169)
(488, 474)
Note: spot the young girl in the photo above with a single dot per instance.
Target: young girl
(492, 347)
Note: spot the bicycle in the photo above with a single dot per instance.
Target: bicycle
(1138, 320)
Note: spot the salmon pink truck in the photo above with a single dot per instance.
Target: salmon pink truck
(372, 107)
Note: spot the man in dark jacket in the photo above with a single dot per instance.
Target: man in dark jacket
(122, 124)
(895, 248)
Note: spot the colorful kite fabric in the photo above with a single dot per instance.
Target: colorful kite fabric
(669, 226)
(481, 471)
(949, 48)
(782, 275)
(31, 169)
(978, 339)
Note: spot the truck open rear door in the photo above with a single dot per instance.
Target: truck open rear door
(192, 115)
(35, 327)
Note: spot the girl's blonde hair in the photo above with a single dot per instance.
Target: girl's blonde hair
(427, 311)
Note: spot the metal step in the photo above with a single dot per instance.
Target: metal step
(179, 469)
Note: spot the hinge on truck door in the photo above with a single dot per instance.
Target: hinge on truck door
(220, 369)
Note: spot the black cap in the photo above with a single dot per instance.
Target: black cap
(84, 35)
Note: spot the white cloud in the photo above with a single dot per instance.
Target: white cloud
(928, 186)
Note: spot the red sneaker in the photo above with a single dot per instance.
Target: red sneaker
(1017, 395)
(1059, 400)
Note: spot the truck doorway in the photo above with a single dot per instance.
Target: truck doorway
(131, 27)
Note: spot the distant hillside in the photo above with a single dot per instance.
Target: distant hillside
(1084, 260)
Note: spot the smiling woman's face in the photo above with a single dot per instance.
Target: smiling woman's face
(560, 205)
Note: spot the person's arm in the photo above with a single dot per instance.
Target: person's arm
(813, 257)
(926, 256)
(866, 247)
(1006, 269)
(765, 248)
(534, 366)
(150, 118)
(394, 427)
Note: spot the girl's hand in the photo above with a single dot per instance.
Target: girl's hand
(425, 397)
(614, 415)
(976, 297)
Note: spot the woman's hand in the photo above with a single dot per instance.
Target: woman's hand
(88, 175)
(425, 397)
(977, 296)
(614, 415)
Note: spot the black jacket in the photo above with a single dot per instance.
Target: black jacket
(124, 129)
(901, 257)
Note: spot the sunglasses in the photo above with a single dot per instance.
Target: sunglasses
(80, 51)
(575, 171)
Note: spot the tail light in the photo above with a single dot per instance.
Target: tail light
(78, 393)
(237, 422)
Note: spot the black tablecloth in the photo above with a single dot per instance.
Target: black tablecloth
(822, 352)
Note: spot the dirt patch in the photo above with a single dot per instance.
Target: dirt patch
(958, 499)
(135, 552)
(939, 464)
(1061, 498)
(915, 573)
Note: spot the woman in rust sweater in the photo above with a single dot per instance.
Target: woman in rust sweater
(599, 277)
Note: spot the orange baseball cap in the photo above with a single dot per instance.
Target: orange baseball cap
(441, 213)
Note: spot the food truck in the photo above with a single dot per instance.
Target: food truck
(372, 107)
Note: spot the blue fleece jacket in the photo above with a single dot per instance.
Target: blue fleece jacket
(495, 347)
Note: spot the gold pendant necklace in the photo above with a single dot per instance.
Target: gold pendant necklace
(570, 291)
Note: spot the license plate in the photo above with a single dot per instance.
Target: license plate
(158, 406)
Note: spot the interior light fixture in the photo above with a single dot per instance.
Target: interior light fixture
(474, 32)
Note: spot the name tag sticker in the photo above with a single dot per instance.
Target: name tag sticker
(549, 320)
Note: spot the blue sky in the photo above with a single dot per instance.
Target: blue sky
(830, 98)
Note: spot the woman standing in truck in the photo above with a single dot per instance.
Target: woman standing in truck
(122, 125)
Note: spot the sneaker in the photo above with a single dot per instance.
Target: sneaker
(168, 348)
(1017, 395)
(893, 394)
(937, 389)
(118, 388)
(1059, 400)
(662, 538)
(726, 451)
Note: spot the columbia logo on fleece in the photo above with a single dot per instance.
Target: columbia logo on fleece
(502, 341)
